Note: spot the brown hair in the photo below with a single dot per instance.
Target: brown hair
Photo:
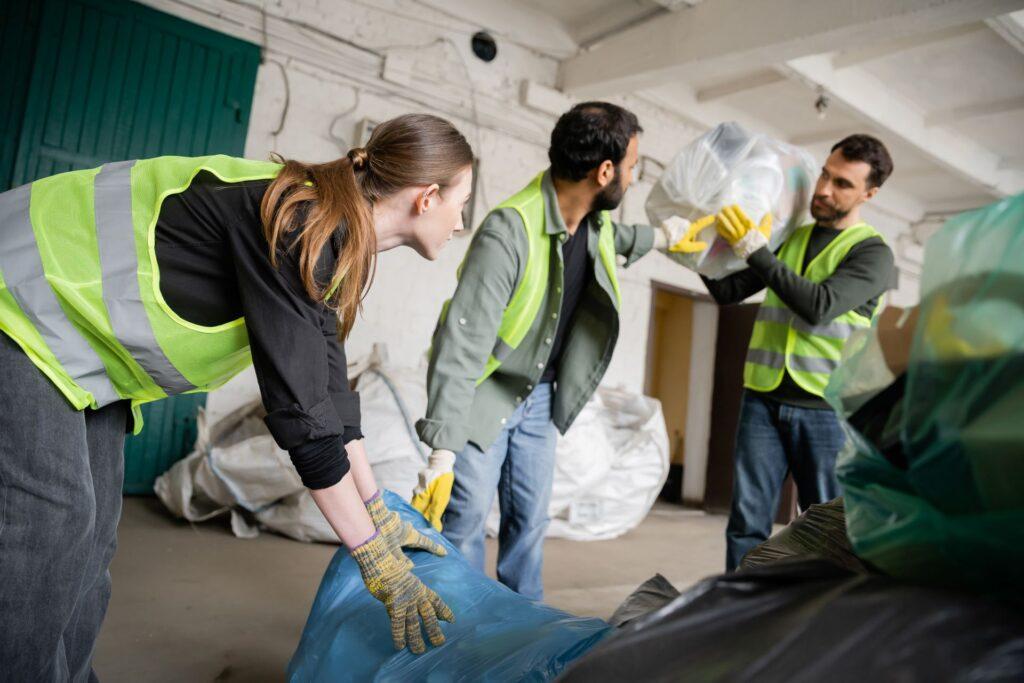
(871, 151)
(317, 200)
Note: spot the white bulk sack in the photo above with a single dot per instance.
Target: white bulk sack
(237, 469)
(727, 165)
(392, 399)
(609, 468)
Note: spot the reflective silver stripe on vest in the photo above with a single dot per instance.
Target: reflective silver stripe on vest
(501, 350)
(119, 263)
(836, 329)
(775, 315)
(772, 359)
(809, 364)
(25, 279)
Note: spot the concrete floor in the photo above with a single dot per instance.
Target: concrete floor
(194, 603)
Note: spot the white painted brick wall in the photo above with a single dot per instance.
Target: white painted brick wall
(331, 53)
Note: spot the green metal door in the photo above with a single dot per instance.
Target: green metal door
(93, 81)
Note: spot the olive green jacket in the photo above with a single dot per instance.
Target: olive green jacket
(457, 409)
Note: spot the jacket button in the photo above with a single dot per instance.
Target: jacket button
(558, 289)
(554, 316)
(540, 366)
(503, 420)
(462, 321)
(548, 340)
(529, 387)
(519, 399)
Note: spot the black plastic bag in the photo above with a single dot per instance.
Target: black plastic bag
(813, 621)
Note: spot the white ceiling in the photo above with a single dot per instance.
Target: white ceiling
(590, 20)
(941, 89)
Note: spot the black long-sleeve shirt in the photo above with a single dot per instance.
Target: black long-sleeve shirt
(215, 267)
(856, 285)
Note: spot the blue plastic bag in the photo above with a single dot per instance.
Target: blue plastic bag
(498, 635)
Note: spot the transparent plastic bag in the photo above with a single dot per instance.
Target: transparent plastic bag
(498, 635)
(725, 166)
(950, 510)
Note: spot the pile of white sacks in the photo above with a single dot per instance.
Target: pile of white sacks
(610, 466)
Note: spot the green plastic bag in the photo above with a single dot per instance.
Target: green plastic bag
(954, 515)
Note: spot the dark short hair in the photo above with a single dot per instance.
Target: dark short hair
(587, 135)
(871, 151)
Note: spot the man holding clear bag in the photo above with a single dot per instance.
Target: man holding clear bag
(826, 280)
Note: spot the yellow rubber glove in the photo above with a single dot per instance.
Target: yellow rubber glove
(399, 534)
(940, 334)
(405, 597)
(689, 243)
(734, 224)
(739, 231)
(434, 490)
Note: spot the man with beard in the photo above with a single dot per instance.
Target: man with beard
(825, 281)
(523, 343)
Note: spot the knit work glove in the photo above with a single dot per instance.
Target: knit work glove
(739, 230)
(407, 600)
(399, 534)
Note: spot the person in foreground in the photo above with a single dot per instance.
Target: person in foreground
(143, 279)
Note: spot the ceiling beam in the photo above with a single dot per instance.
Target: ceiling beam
(682, 101)
(1012, 163)
(945, 117)
(757, 79)
(878, 104)
(738, 35)
(867, 53)
(1010, 27)
(819, 137)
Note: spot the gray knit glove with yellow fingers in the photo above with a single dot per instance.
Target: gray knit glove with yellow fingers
(407, 600)
(399, 534)
(740, 232)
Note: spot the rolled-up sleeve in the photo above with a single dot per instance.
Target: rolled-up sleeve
(633, 241)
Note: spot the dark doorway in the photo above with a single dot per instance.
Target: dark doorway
(734, 326)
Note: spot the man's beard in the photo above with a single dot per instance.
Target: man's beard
(827, 214)
(610, 196)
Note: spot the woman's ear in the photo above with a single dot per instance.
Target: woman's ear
(426, 199)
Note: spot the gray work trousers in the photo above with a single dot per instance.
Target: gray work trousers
(61, 473)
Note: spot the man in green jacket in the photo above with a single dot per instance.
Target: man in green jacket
(522, 345)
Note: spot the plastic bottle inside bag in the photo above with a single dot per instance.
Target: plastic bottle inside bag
(725, 166)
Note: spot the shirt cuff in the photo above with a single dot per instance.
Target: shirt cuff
(346, 405)
(294, 426)
(643, 242)
(438, 434)
(762, 260)
(321, 463)
(352, 434)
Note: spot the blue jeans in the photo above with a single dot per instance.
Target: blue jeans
(520, 466)
(774, 439)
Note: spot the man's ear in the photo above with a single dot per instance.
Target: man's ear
(871, 193)
(427, 199)
(605, 173)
